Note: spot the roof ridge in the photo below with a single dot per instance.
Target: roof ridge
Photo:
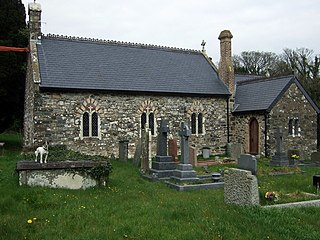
(262, 79)
(120, 43)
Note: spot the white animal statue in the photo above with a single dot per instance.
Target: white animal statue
(42, 151)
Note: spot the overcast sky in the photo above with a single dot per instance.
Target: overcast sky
(256, 25)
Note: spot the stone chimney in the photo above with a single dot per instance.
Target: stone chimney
(34, 11)
(226, 70)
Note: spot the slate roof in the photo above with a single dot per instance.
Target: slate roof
(244, 77)
(86, 64)
(262, 94)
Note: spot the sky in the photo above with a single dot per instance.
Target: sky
(255, 25)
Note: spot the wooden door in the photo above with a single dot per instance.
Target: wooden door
(253, 136)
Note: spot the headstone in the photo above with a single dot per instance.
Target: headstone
(280, 157)
(235, 150)
(193, 156)
(315, 157)
(145, 149)
(206, 152)
(184, 171)
(123, 150)
(173, 149)
(240, 187)
(185, 133)
(162, 149)
(163, 166)
(248, 162)
(137, 154)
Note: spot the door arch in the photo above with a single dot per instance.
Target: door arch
(253, 136)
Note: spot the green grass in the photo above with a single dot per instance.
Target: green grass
(133, 208)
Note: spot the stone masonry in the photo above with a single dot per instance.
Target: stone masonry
(292, 105)
(56, 118)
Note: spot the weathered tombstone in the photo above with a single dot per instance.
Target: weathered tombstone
(123, 150)
(280, 157)
(206, 152)
(137, 154)
(240, 187)
(315, 157)
(145, 149)
(248, 162)
(193, 156)
(163, 166)
(173, 149)
(184, 171)
(235, 150)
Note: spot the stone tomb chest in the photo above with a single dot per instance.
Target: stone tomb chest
(59, 174)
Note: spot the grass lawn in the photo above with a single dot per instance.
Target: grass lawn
(133, 208)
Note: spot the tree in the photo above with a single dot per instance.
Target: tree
(13, 32)
(255, 62)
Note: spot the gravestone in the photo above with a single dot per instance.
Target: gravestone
(280, 157)
(145, 149)
(240, 187)
(123, 150)
(234, 150)
(163, 166)
(173, 149)
(315, 157)
(137, 154)
(248, 162)
(184, 171)
(193, 156)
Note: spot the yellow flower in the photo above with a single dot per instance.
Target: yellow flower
(29, 221)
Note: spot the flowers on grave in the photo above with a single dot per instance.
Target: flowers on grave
(295, 156)
(29, 221)
(271, 196)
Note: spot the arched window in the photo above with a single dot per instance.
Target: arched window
(151, 122)
(200, 123)
(94, 124)
(148, 118)
(197, 123)
(85, 124)
(143, 120)
(290, 127)
(193, 123)
(90, 124)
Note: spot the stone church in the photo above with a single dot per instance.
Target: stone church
(89, 94)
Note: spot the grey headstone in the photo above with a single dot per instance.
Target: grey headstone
(235, 150)
(315, 157)
(248, 162)
(185, 133)
(137, 154)
(280, 157)
(162, 149)
(240, 187)
(123, 150)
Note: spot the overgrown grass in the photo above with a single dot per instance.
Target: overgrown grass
(133, 208)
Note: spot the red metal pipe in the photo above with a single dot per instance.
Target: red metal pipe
(13, 49)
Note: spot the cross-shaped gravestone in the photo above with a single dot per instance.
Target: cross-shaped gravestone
(184, 133)
(279, 140)
(162, 138)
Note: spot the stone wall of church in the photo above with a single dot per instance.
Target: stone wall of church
(293, 105)
(240, 131)
(58, 117)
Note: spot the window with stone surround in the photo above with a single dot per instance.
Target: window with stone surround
(147, 118)
(148, 114)
(89, 118)
(294, 127)
(197, 123)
